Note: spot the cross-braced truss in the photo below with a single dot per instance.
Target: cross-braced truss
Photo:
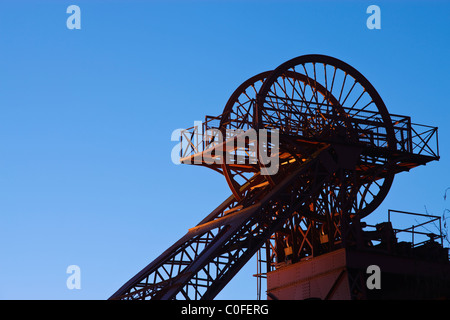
(337, 151)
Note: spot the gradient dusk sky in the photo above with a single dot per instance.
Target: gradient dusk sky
(86, 118)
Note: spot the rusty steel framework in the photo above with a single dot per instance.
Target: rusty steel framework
(338, 149)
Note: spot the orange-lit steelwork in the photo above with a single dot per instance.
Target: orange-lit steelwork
(337, 149)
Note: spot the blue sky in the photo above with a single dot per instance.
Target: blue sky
(86, 118)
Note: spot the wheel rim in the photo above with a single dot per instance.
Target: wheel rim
(356, 98)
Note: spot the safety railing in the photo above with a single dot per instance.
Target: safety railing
(420, 233)
(200, 137)
(410, 137)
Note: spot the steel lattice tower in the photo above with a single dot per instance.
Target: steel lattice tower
(338, 150)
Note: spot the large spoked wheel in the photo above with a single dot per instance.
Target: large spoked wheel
(332, 101)
(238, 117)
